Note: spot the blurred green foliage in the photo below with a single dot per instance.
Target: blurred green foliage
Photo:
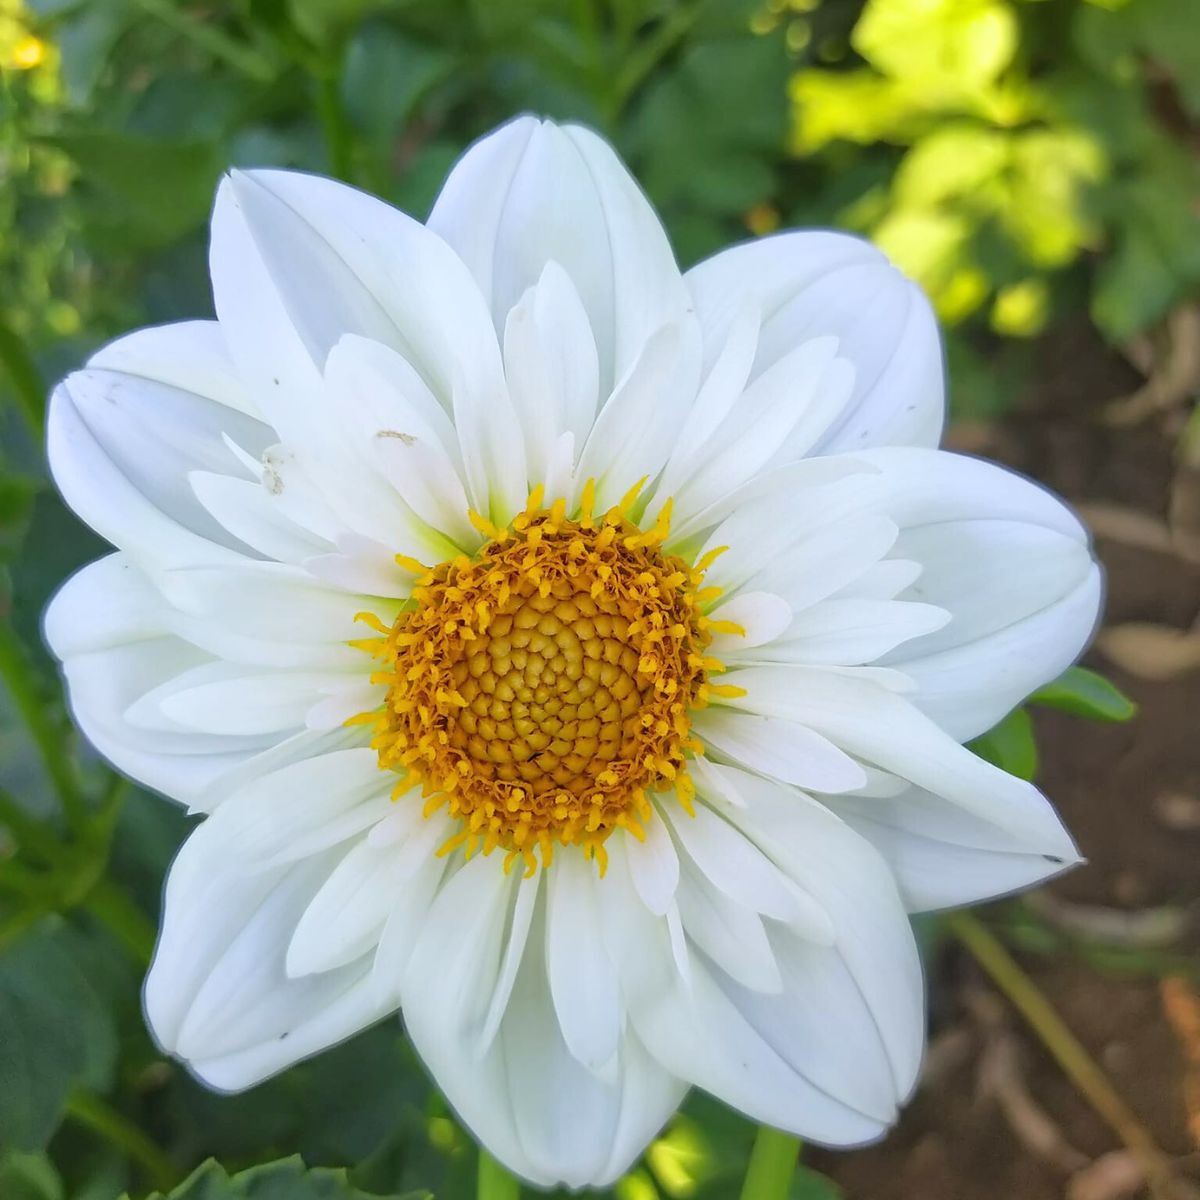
(1026, 159)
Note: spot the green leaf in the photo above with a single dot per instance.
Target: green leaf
(55, 1034)
(709, 133)
(1086, 694)
(17, 495)
(287, 1179)
(1010, 745)
(386, 76)
(808, 1184)
(29, 1177)
(140, 192)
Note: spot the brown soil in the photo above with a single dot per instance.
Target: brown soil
(1131, 795)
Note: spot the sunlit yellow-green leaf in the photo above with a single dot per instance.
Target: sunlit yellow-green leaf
(949, 47)
(954, 161)
(1045, 214)
(932, 246)
(681, 1159)
(1020, 309)
(854, 106)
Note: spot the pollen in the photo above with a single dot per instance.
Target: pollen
(540, 689)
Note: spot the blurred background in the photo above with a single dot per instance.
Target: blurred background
(1033, 163)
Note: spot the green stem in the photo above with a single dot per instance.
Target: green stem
(1054, 1033)
(772, 1165)
(495, 1183)
(132, 928)
(208, 37)
(101, 1118)
(32, 836)
(335, 125)
(641, 62)
(28, 389)
(50, 742)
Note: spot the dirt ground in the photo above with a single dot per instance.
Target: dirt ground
(995, 1117)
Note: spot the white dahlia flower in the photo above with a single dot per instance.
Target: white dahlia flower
(570, 654)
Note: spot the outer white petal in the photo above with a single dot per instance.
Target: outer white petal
(229, 698)
(942, 856)
(299, 262)
(885, 730)
(512, 1094)
(113, 633)
(218, 994)
(1011, 564)
(827, 1077)
(814, 284)
(1006, 559)
(532, 193)
(188, 355)
(124, 433)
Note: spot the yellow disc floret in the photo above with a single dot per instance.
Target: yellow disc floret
(540, 688)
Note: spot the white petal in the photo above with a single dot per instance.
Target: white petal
(121, 448)
(636, 428)
(853, 885)
(970, 688)
(404, 433)
(271, 602)
(298, 262)
(110, 627)
(245, 509)
(1023, 601)
(228, 698)
(654, 865)
(306, 807)
(346, 917)
(850, 632)
(942, 856)
(514, 951)
(762, 615)
(532, 193)
(362, 566)
(724, 381)
(105, 604)
(777, 419)
(812, 568)
(218, 994)
(189, 355)
(731, 934)
(583, 984)
(511, 1098)
(732, 865)
(677, 1019)
(886, 730)
(814, 284)
(552, 369)
(780, 749)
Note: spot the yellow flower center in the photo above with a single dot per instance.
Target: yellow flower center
(541, 687)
